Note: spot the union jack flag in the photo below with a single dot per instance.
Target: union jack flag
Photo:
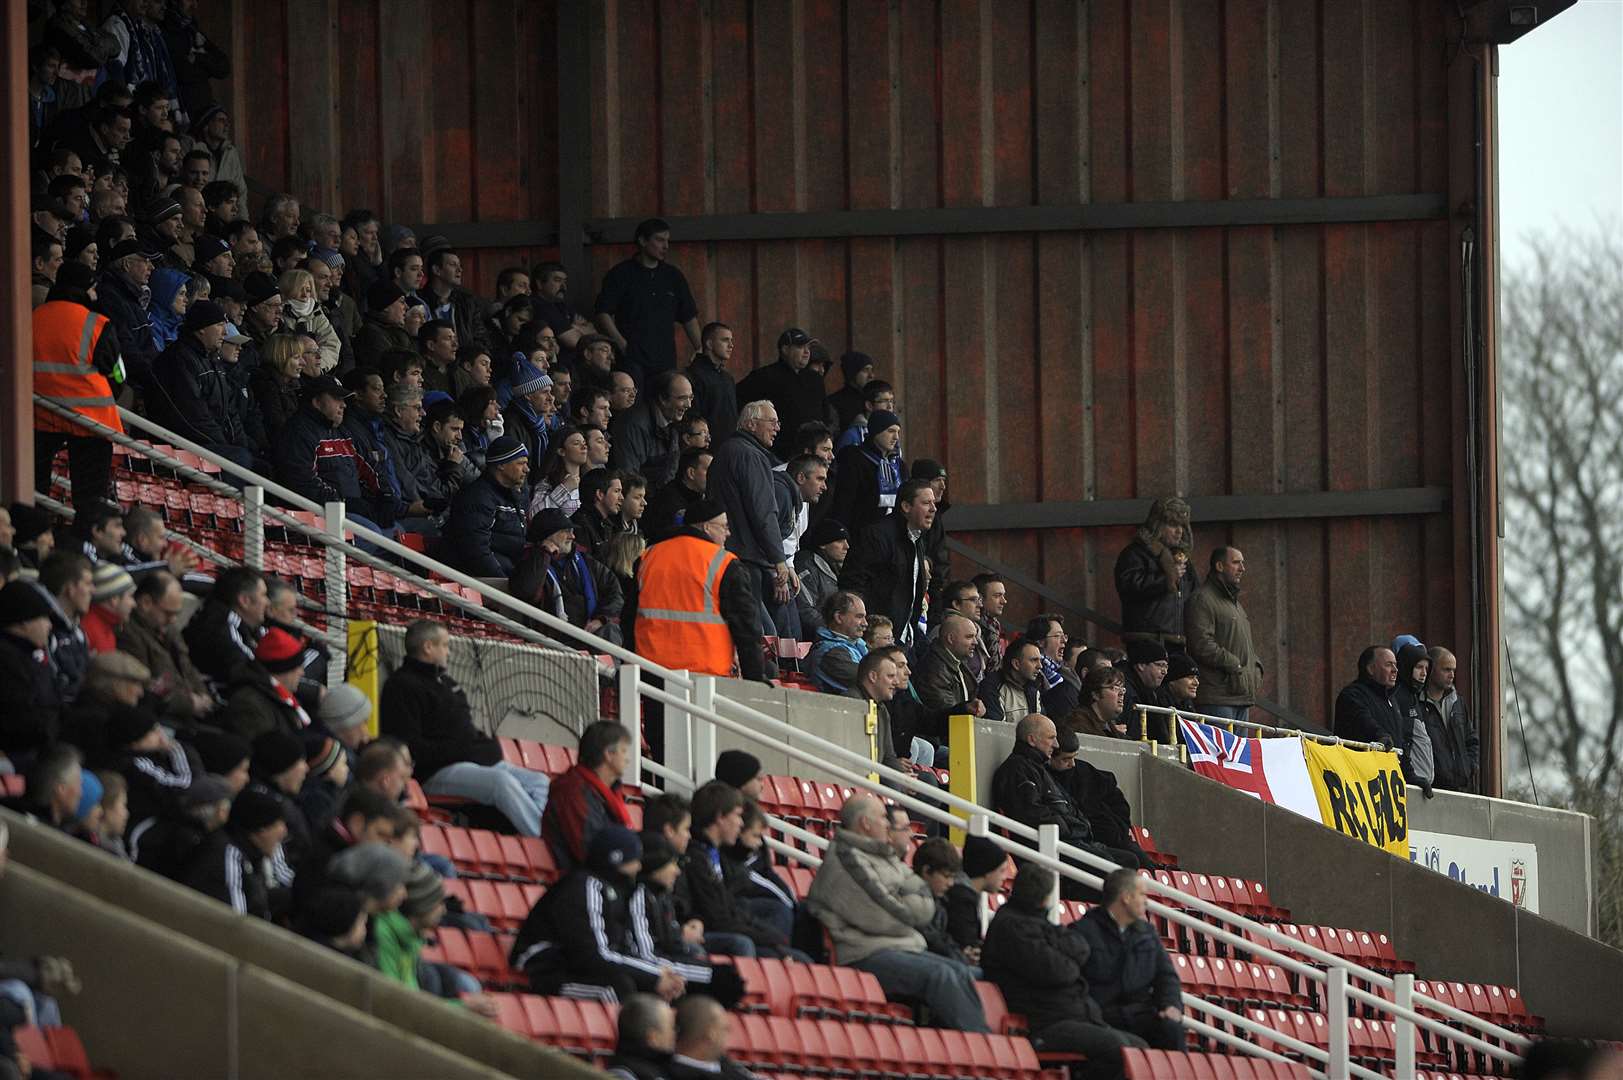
(1209, 745)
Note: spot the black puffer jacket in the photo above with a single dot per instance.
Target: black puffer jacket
(1095, 792)
(1039, 967)
(881, 566)
(1368, 712)
(1024, 789)
(1127, 970)
(189, 393)
(424, 708)
(1152, 598)
(485, 533)
(120, 300)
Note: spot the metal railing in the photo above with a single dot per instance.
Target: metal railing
(692, 700)
(1230, 724)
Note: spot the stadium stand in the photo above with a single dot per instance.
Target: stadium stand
(319, 402)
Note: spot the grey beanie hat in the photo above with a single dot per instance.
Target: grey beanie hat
(375, 869)
(344, 707)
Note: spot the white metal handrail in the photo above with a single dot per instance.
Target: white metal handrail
(1224, 721)
(892, 784)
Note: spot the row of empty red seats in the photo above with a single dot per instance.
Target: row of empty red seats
(1172, 1065)
(482, 853)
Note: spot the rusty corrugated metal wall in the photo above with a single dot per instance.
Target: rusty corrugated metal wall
(1044, 366)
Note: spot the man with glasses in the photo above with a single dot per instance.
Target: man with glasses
(1060, 685)
(1146, 671)
(149, 636)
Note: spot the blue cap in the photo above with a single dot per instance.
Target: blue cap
(89, 793)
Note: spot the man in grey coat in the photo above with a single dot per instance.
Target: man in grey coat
(741, 480)
(874, 908)
(1219, 638)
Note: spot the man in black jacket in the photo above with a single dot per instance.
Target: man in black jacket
(648, 428)
(715, 393)
(1095, 792)
(424, 708)
(190, 392)
(232, 864)
(1154, 578)
(1025, 790)
(647, 1035)
(1130, 977)
(446, 297)
(1145, 670)
(794, 389)
(125, 272)
(555, 576)
(484, 533)
(317, 457)
(1365, 709)
(668, 505)
(227, 631)
(703, 893)
(577, 939)
(887, 560)
(1041, 969)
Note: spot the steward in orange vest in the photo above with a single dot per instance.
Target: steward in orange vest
(75, 350)
(693, 605)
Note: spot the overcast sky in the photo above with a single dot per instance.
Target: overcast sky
(1561, 126)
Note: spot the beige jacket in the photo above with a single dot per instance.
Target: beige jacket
(868, 899)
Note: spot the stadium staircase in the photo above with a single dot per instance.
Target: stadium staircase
(1265, 996)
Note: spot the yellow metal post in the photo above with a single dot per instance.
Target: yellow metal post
(961, 777)
(363, 665)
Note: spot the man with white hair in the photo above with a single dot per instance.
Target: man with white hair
(741, 480)
(874, 908)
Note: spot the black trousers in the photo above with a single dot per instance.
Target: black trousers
(90, 464)
(1102, 1045)
(1075, 890)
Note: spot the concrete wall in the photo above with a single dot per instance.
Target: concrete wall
(156, 1005)
(1450, 930)
(183, 914)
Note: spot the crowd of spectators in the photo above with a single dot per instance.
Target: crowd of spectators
(565, 453)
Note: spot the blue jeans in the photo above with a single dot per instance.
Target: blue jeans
(1231, 712)
(41, 1009)
(445, 980)
(945, 985)
(442, 866)
(520, 794)
(765, 909)
(729, 944)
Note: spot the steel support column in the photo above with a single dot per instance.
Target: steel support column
(16, 337)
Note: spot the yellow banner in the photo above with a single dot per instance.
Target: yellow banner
(1361, 794)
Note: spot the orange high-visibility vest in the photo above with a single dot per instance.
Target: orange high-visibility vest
(679, 621)
(65, 337)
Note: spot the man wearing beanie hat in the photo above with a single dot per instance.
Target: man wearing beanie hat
(485, 531)
(233, 864)
(76, 351)
(194, 393)
(29, 699)
(377, 871)
(35, 539)
(1146, 669)
(742, 770)
(577, 940)
(878, 396)
(661, 938)
(856, 369)
(817, 564)
(317, 457)
(345, 712)
(261, 696)
(530, 409)
(697, 619)
(383, 326)
(870, 473)
(984, 868)
(112, 598)
(328, 766)
(1182, 682)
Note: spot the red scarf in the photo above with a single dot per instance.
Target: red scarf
(611, 796)
(287, 698)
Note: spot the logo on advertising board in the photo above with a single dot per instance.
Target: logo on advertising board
(1497, 867)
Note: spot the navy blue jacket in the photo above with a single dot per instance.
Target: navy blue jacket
(485, 533)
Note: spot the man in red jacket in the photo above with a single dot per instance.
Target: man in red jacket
(587, 797)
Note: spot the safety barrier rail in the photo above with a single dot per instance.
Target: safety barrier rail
(1230, 723)
(693, 699)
